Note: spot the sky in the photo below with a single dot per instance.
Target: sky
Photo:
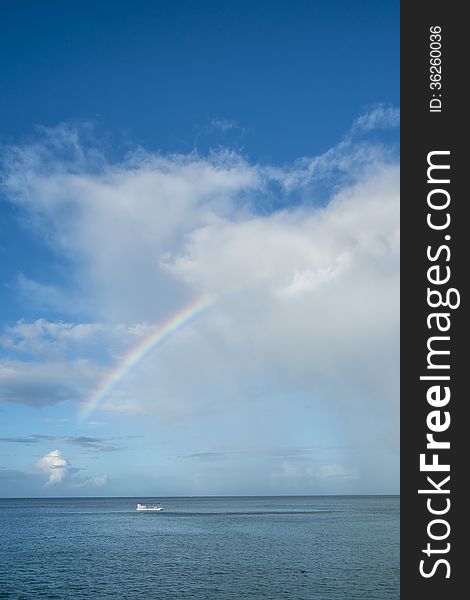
(199, 248)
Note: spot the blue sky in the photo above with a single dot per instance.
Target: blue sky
(158, 153)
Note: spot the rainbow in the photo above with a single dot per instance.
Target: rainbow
(157, 336)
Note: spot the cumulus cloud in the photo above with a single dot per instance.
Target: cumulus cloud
(55, 466)
(59, 470)
(302, 261)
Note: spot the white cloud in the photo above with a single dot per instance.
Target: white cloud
(42, 337)
(55, 466)
(380, 116)
(51, 339)
(118, 224)
(303, 261)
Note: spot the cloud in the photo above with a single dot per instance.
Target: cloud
(222, 125)
(303, 261)
(116, 225)
(309, 295)
(59, 470)
(94, 444)
(57, 360)
(19, 440)
(47, 479)
(55, 466)
(380, 116)
(89, 443)
(42, 384)
(43, 338)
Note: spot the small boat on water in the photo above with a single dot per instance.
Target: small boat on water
(149, 507)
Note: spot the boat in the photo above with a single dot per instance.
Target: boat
(149, 507)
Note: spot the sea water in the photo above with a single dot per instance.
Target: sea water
(301, 548)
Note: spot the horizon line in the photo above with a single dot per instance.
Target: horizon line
(193, 496)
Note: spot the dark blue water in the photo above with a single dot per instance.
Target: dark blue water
(302, 548)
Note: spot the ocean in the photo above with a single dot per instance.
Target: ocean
(217, 548)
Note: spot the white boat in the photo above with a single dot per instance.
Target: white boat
(149, 507)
